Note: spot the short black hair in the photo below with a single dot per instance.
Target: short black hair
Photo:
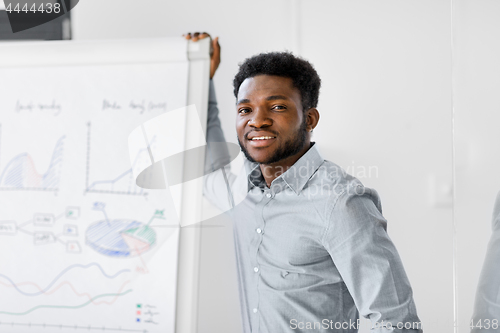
(285, 64)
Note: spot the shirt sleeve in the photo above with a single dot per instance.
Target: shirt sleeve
(370, 266)
(486, 316)
(218, 178)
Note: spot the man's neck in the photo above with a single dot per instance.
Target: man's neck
(272, 171)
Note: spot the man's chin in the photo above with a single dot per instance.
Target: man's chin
(257, 155)
(260, 160)
(257, 158)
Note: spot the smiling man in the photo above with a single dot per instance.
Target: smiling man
(311, 243)
(270, 119)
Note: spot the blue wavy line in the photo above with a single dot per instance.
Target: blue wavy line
(61, 274)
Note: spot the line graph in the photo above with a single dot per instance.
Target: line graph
(123, 183)
(58, 276)
(20, 172)
(64, 306)
(48, 290)
(73, 327)
(65, 283)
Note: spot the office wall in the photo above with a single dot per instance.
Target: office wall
(385, 106)
(477, 142)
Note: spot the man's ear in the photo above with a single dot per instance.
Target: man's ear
(312, 115)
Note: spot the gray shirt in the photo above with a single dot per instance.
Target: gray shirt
(486, 316)
(312, 250)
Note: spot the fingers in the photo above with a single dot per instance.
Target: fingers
(214, 56)
(216, 47)
(196, 36)
(203, 35)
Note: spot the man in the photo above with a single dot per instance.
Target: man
(311, 243)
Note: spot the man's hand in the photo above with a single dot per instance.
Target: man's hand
(214, 49)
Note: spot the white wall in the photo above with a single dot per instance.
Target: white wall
(385, 103)
(477, 140)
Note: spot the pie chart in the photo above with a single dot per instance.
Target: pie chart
(120, 238)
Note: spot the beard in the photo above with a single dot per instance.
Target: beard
(289, 148)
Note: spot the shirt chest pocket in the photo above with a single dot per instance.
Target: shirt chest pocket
(291, 250)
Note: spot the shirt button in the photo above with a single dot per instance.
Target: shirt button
(254, 310)
(259, 230)
(268, 195)
(256, 269)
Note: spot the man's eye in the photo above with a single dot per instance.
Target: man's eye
(279, 107)
(243, 110)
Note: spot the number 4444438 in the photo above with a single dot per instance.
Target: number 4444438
(42, 8)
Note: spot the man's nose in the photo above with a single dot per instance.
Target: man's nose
(260, 118)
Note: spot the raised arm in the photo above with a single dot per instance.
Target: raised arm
(218, 177)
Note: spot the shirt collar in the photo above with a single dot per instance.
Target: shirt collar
(296, 177)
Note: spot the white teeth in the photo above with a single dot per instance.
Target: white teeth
(263, 138)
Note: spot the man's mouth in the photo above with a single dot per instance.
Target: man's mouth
(263, 138)
(261, 141)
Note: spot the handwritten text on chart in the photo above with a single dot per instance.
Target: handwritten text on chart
(146, 314)
(51, 107)
(135, 105)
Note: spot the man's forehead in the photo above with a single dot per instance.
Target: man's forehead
(267, 84)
